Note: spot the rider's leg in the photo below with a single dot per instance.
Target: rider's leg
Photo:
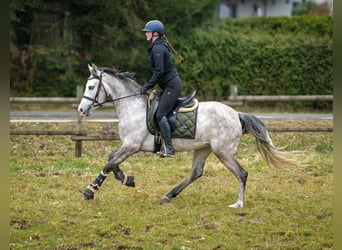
(167, 101)
(165, 130)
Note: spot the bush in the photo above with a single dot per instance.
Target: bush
(262, 56)
(272, 56)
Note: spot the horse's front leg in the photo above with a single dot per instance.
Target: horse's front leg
(115, 158)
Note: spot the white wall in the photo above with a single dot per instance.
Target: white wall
(277, 8)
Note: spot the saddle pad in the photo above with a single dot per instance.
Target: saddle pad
(189, 119)
(187, 116)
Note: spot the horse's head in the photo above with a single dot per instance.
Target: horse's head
(95, 93)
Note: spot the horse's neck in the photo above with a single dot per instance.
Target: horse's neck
(125, 101)
(130, 106)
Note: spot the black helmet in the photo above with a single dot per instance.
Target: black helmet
(154, 25)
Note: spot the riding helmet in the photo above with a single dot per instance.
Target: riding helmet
(154, 25)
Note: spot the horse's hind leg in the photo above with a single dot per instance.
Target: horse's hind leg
(241, 174)
(119, 174)
(198, 161)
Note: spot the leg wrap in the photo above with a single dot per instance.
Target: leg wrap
(119, 175)
(129, 181)
(96, 184)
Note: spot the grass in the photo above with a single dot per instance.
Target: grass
(284, 209)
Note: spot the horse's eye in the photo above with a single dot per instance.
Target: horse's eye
(91, 87)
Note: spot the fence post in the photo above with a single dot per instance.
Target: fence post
(233, 92)
(78, 144)
(78, 148)
(79, 91)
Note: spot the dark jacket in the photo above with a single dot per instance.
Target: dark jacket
(163, 69)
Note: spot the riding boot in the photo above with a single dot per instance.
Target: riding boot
(165, 130)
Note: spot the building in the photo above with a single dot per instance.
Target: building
(262, 8)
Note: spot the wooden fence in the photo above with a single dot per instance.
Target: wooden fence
(234, 99)
(79, 135)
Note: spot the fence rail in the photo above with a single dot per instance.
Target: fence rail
(79, 136)
(234, 98)
(46, 132)
(52, 100)
(281, 98)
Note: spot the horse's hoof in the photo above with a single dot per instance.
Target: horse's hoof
(87, 194)
(236, 205)
(165, 200)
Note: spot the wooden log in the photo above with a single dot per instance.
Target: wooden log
(286, 129)
(51, 100)
(94, 137)
(46, 132)
(282, 98)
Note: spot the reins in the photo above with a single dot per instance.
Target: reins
(95, 101)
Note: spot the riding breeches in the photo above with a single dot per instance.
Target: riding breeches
(171, 92)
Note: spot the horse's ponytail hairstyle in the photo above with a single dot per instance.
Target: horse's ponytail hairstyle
(180, 58)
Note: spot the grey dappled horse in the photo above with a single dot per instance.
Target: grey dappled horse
(219, 130)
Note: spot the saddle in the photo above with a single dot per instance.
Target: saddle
(182, 118)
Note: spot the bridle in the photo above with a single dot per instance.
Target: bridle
(95, 100)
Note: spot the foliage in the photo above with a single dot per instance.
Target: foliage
(303, 8)
(20, 7)
(20, 25)
(61, 80)
(105, 32)
(266, 56)
(272, 56)
(311, 26)
(270, 65)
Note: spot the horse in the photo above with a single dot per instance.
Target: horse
(219, 129)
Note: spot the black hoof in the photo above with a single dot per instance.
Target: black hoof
(165, 200)
(87, 194)
(130, 181)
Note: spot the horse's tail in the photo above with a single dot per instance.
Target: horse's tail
(272, 155)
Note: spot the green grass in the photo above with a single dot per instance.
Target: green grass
(284, 208)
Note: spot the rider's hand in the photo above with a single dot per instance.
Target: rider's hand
(143, 89)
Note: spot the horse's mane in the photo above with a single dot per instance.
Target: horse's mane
(118, 73)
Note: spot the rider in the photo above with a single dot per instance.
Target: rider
(166, 76)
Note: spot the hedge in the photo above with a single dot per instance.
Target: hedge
(262, 56)
(260, 61)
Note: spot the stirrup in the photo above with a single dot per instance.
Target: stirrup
(163, 153)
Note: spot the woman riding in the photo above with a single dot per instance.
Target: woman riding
(166, 76)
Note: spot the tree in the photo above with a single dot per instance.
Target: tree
(105, 32)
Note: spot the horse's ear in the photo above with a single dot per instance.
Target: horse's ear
(95, 69)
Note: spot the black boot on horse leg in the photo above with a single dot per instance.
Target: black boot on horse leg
(88, 193)
(165, 130)
(120, 176)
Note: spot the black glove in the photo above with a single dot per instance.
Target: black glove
(143, 89)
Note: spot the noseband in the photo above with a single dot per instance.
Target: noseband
(95, 100)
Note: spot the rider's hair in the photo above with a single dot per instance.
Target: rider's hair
(180, 58)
